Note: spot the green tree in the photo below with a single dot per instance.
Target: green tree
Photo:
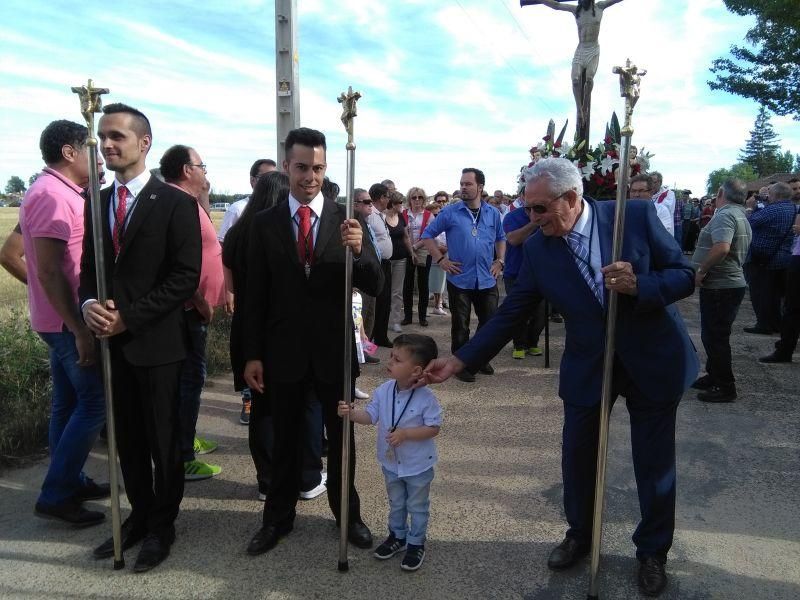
(784, 162)
(762, 150)
(33, 178)
(769, 70)
(15, 184)
(741, 171)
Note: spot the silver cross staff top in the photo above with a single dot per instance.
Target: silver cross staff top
(348, 102)
(630, 77)
(90, 103)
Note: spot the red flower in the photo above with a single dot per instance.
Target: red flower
(557, 145)
(546, 138)
(608, 139)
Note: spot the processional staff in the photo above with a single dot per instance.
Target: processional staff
(91, 103)
(348, 101)
(629, 80)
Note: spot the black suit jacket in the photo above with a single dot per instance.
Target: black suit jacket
(294, 324)
(156, 272)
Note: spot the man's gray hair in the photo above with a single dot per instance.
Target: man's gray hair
(734, 191)
(780, 191)
(561, 174)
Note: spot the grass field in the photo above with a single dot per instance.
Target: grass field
(12, 292)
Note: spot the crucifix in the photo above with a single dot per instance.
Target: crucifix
(588, 15)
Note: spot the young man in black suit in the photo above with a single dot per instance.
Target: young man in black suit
(295, 327)
(151, 242)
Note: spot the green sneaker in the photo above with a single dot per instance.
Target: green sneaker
(518, 354)
(535, 351)
(202, 446)
(195, 470)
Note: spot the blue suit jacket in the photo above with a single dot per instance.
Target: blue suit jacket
(651, 343)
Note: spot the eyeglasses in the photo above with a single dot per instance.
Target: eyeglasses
(201, 166)
(540, 209)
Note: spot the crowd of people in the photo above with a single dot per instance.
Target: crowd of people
(276, 265)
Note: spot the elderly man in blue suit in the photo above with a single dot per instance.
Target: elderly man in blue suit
(563, 263)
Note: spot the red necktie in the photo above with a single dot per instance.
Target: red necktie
(305, 239)
(119, 217)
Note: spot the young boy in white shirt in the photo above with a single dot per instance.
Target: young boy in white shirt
(408, 419)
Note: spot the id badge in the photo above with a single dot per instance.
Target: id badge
(390, 456)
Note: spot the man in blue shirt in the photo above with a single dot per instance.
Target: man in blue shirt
(475, 258)
(518, 227)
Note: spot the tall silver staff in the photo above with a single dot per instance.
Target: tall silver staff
(629, 79)
(91, 103)
(348, 101)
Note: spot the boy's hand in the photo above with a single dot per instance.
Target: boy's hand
(343, 408)
(396, 437)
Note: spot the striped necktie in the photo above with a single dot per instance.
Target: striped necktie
(581, 255)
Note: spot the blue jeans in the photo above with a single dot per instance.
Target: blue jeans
(409, 497)
(77, 414)
(193, 377)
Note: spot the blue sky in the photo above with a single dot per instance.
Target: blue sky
(446, 84)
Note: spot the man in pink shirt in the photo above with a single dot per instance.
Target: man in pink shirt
(51, 219)
(182, 167)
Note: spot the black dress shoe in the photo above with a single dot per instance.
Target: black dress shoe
(652, 577)
(405, 322)
(154, 550)
(775, 357)
(486, 369)
(567, 553)
(92, 491)
(717, 394)
(267, 538)
(359, 535)
(131, 534)
(556, 318)
(423, 322)
(70, 512)
(371, 360)
(466, 376)
(703, 383)
(759, 330)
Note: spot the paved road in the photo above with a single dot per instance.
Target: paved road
(496, 504)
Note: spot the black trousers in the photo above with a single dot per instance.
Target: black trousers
(288, 403)
(790, 325)
(422, 272)
(461, 304)
(718, 309)
(383, 306)
(767, 288)
(146, 419)
(530, 325)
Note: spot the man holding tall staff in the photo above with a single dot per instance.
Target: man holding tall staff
(294, 329)
(565, 266)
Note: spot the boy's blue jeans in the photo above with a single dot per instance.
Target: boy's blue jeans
(409, 497)
(77, 414)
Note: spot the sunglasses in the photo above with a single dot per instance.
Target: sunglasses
(418, 197)
(367, 202)
(540, 209)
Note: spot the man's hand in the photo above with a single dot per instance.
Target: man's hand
(343, 408)
(254, 375)
(84, 342)
(496, 269)
(450, 266)
(619, 277)
(205, 310)
(352, 235)
(396, 437)
(104, 322)
(440, 370)
(699, 277)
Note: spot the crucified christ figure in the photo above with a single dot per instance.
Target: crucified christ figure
(588, 15)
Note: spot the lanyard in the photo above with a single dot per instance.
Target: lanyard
(394, 397)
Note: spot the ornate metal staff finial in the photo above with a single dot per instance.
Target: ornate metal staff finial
(348, 101)
(90, 103)
(630, 77)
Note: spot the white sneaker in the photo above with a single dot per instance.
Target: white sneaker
(361, 395)
(317, 491)
(439, 311)
(396, 328)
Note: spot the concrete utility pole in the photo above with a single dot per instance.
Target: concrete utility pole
(287, 72)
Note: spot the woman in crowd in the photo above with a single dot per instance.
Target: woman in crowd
(270, 189)
(401, 251)
(437, 279)
(419, 263)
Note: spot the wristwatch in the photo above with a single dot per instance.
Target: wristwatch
(501, 261)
